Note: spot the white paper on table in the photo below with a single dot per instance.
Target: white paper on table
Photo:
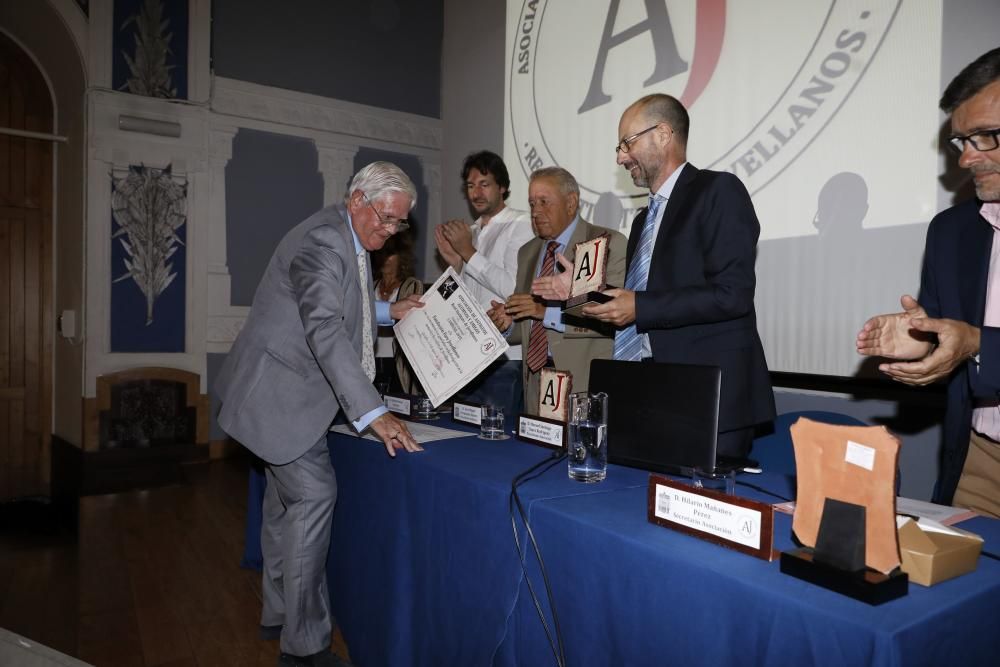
(421, 432)
(931, 526)
(450, 340)
(942, 514)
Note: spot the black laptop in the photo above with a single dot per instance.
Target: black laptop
(661, 417)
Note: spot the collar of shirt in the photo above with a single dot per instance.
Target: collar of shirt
(503, 215)
(668, 185)
(358, 248)
(664, 192)
(562, 240)
(990, 210)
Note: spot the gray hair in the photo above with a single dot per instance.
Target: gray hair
(567, 184)
(380, 179)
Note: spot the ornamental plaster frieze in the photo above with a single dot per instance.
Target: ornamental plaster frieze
(302, 110)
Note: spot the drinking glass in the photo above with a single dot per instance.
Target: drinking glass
(588, 437)
(423, 408)
(491, 426)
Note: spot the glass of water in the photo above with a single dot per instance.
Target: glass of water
(588, 437)
(491, 425)
(423, 408)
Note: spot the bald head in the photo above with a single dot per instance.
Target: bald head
(659, 108)
(652, 139)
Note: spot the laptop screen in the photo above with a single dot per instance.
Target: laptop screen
(661, 417)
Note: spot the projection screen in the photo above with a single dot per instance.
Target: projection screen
(827, 111)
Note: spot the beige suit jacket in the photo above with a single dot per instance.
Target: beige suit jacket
(584, 339)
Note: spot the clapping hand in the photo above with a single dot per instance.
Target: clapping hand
(498, 315)
(909, 337)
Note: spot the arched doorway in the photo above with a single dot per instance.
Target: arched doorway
(25, 275)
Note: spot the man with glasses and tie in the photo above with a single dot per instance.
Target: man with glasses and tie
(549, 338)
(688, 294)
(305, 354)
(953, 331)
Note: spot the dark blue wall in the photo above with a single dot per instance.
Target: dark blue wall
(384, 53)
(272, 184)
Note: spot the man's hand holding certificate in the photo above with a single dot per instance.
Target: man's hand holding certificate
(450, 340)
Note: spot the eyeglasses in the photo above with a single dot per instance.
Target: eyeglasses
(396, 225)
(625, 144)
(982, 141)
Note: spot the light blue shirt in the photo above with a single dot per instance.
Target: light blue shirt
(553, 314)
(665, 191)
(366, 419)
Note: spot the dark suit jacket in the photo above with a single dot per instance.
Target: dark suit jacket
(698, 304)
(297, 361)
(953, 286)
(573, 350)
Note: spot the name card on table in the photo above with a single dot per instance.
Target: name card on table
(398, 404)
(549, 433)
(469, 413)
(737, 523)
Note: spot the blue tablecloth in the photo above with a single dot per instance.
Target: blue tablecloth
(423, 571)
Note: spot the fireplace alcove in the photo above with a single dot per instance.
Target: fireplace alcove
(142, 426)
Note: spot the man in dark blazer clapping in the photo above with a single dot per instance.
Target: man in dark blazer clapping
(953, 332)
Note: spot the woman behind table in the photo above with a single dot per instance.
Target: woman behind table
(394, 279)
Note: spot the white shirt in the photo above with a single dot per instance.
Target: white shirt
(491, 273)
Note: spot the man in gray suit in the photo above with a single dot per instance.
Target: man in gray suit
(305, 353)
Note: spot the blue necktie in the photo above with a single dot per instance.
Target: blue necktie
(628, 344)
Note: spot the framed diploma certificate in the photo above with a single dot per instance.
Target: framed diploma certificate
(450, 340)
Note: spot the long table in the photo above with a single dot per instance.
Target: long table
(423, 571)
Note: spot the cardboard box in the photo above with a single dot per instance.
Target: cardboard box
(932, 553)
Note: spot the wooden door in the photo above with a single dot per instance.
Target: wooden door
(25, 277)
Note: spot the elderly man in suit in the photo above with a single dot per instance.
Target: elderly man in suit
(550, 338)
(954, 329)
(306, 353)
(688, 296)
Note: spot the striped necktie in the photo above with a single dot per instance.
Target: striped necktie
(368, 344)
(628, 343)
(538, 343)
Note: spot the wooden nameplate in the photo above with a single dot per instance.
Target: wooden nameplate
(730, 521)
(549, 433)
